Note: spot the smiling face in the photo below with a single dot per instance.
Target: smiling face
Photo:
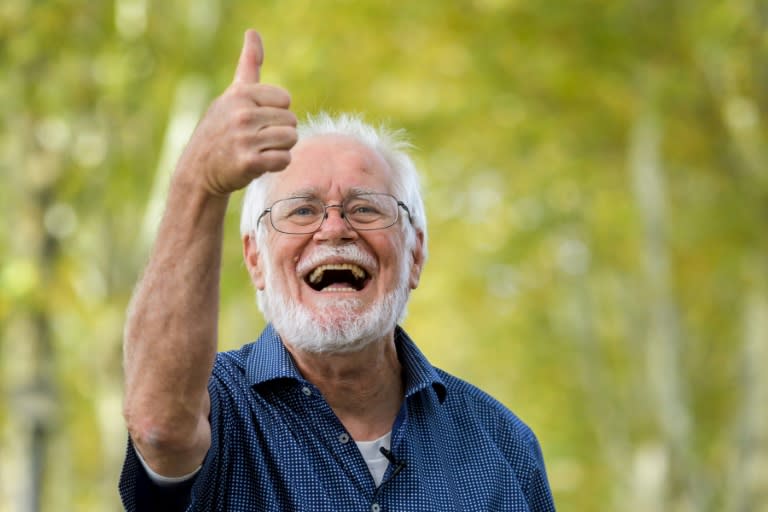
(336, 289)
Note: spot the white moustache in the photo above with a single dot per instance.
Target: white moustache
(345, 253)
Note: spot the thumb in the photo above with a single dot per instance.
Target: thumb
(251, 57)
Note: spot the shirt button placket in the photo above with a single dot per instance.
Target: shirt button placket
(343, 438)
(306, 391)
(375, 507)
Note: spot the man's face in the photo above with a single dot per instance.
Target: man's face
(338, 288)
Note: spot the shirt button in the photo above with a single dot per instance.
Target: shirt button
(375, 507)
(343, 438)
(306, 391)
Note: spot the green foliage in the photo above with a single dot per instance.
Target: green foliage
(588, 300)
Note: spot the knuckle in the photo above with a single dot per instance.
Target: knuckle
(242, 117)
(251, 160)
(274, 96)
(238, 89)
(277, 161)
(286, 98)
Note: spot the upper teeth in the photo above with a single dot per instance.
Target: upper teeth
(317, 274)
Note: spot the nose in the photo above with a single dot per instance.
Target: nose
(335, 226)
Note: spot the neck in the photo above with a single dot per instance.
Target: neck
(364, 388)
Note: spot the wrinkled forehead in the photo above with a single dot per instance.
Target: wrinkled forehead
(332, 165)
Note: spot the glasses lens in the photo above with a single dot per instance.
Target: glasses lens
(371, 211)
(303, 215)
(297, 215)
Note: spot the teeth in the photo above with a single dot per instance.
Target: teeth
(317, 274)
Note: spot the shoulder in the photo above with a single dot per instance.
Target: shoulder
(237, 358)
(230, 380)
(461, 392)
(476, 409)
(232, 364)
(486, 423)
(483, 422)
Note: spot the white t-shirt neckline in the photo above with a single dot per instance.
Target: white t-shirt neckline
(374, 459)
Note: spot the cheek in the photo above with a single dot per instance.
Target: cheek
(396, 263)
(282, 272)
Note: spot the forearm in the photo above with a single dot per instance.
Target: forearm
(171, 329)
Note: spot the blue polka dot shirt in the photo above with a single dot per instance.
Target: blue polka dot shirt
(276, 445)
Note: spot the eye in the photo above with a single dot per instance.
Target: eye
(363, 206)
(301, 207)
(363, 212)
(303, 211)
(298, 211)
(364, 209)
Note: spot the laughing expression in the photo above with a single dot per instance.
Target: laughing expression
(336, 263)
(338, 277)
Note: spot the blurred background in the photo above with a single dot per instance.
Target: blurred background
(596, 179)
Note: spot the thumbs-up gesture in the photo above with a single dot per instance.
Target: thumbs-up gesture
(247, 131)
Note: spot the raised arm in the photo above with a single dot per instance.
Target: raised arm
(171, 328)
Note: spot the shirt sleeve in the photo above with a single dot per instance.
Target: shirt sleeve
(538, 492)
(200, 493)
(165, 481)
(140, 493)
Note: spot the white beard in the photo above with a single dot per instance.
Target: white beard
(340, 325)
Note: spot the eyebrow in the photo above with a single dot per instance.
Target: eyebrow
(312, 192)
(303, 192)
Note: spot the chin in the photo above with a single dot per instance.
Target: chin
(344, 325)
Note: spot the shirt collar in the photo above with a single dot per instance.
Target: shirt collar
(269, 360)
(419, 373)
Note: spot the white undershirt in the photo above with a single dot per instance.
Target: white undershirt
(377, 463)
(164, 481)
(374, 459)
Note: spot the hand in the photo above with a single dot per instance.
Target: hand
(247, 131)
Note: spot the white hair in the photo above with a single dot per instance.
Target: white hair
(392, 145)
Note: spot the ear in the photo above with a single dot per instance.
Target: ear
(417, 256)
(252, 259)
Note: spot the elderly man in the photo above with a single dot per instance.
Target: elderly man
(333, 408)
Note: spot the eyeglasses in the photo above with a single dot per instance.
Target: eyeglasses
(305, 214)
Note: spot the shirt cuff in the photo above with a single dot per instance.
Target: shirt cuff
(165, 481)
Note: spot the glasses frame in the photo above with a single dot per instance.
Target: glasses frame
(340, 206)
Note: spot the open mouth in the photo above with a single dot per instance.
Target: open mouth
(337, 277)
